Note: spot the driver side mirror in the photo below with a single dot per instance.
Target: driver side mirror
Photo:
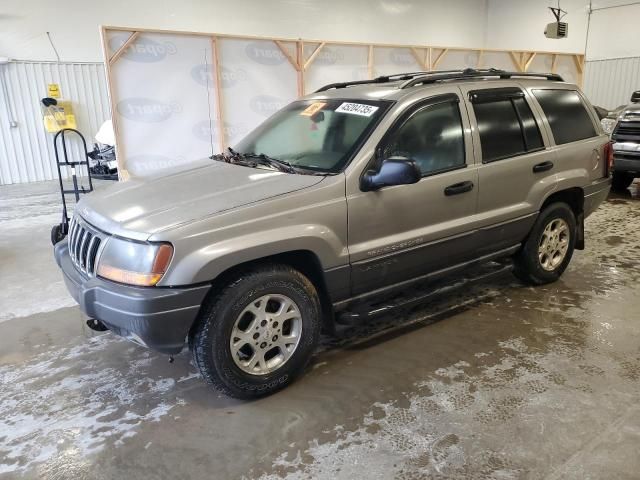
(394, 171)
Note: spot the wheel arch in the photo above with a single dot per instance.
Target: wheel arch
(306, 262)
(574, 197)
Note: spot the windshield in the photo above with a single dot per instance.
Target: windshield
(319, 135)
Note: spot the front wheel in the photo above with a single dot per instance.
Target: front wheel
(547, 251)
(257, 334)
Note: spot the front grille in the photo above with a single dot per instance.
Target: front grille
(627, 130)
(84, 245)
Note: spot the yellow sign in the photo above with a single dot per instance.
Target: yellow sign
(53, 90)
(57, 117)
(312, 109)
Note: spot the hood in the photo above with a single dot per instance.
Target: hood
(139, 208)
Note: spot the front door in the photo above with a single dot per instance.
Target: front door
(405, 231)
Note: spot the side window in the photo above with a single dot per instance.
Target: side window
(506, 124)
(567, 115)
(432, 136)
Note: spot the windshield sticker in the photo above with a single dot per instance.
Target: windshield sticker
(357, 109)
(312, 109)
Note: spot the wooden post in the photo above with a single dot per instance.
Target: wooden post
(554, 62)
(300, 62)
(579, 61)
(217, 71)
(123, 174)
(370, 62)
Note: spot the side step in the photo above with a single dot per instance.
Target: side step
(361, 313)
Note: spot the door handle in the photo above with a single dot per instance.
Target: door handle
(458, 188)
(542, 167)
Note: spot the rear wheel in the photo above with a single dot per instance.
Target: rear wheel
(257, 334)
(620, 181)
(549, 247)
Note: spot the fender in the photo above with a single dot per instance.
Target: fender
(209, 261)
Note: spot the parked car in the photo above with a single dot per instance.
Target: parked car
(342, 198)
(626, 147)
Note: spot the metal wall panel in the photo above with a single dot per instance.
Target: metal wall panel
(26, 151)
(609, 83)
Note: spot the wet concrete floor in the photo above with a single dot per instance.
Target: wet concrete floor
(497, 381)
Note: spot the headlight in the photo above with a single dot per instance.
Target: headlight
(134, 263)
(608, 124)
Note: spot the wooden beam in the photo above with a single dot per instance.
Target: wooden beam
(439, 58)
(516, 60)
(123, 47)
(370, 62)
(217, 71)
(527, 64)
(294, 63)
(310, 40)
(420, 60)
(313, 56)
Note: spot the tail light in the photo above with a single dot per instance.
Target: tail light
(608, 158)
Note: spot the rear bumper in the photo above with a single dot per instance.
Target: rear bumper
(595, 194)
(158, 318)
(626, 157)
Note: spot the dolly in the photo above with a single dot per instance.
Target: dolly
(59, 231)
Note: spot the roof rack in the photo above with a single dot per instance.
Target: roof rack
(421, 78)
(467, 73)
(381, 79)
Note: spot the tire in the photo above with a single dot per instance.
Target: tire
(235, 309)
(56, 234)
(538, 268)
(620, 181)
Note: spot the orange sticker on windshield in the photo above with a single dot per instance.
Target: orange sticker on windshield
(312, 109)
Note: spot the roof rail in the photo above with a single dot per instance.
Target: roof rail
(381, 79)
(421, 78)
(467, 73)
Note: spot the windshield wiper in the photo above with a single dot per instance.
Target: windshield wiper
(253, 159)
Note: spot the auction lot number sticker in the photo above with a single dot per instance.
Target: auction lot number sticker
(357, 109)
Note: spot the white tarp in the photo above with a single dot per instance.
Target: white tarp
(164, 91)
(164, 98)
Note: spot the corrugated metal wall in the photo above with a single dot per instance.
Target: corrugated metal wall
(609, 83)
(26, 151)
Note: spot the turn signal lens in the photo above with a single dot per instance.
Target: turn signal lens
(133, 263)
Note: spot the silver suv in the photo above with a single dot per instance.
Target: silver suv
(339, 200)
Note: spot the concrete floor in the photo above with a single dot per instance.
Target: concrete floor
(501, 381)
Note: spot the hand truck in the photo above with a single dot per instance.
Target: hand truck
(58, 232)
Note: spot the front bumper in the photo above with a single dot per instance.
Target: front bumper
(158, 318)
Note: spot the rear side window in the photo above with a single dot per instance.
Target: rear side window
(567, 115)
(506, 125)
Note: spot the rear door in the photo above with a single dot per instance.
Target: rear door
(516, 170)
(404, 231)
(579, 141)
